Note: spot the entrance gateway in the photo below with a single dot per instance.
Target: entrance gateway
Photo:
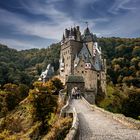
(75, 81)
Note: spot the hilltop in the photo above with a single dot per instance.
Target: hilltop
(123, 70)
(25, 66)
(122, 54)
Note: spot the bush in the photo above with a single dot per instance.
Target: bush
(113, 100)
(59, 129)
(131, 105)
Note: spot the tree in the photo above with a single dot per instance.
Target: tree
(131, 105)
(58, 84)
(136, 51)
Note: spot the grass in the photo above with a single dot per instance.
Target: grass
(113, 100)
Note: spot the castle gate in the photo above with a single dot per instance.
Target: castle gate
(75, 81)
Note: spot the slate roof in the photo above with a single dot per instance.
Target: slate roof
(75, 79)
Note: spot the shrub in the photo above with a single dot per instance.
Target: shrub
(59, 129)
(131, 105)
(113, 100)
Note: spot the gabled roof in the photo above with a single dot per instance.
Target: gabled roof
(85, 55)
(84, 51)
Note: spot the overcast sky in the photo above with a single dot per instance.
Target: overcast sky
(26, 24)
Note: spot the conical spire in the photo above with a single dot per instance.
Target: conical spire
(63, 37)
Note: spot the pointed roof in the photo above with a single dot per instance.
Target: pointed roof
(84, 51)
(86, 31)
(87, 36)
(63, 38)
(86, 56)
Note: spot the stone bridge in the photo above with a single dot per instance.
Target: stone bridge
(96, 125)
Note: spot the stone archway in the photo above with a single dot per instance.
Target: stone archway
(75, 81)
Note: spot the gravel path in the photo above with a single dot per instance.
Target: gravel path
(94, 125)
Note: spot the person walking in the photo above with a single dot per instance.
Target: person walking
(78, 93)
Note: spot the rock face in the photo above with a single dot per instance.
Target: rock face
(94, 125)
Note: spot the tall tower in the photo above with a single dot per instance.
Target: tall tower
(70, 46)
(89, 39)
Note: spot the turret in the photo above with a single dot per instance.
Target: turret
(66, 33)
(71, 35)
(78, 33)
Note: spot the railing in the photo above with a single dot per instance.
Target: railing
(119, 117)
(67, 110)
(74, 129)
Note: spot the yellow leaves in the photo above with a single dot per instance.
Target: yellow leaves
(119, 61)
(37, 84)
(10, 87)
(136, 50)
(117, 67)
(50, 86)
(128, 79)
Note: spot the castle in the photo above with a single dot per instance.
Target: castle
(81, 56)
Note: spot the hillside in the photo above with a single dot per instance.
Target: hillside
(25, 66)
(30, 110)
(123, 61)
(123, 76)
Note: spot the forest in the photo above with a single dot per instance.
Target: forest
(21, 93)
(24, 67)
(123, 76)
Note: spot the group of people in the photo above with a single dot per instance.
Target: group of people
(76, 93)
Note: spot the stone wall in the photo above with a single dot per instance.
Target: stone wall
(90, 96)
(90, 76)
(75, 125)
(66, 111)
(69, 51)
(130, 122)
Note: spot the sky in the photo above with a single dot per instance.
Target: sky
(26, 24)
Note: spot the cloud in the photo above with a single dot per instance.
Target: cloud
(17, 44)
(121, 4)
(47, 9)
(123, 26)
(39, 28)
(82, 3)
(47, 19)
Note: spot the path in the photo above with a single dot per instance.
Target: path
(94, 125)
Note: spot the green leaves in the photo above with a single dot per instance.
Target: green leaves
(23, 67)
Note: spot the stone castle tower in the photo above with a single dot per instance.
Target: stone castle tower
(81, 56)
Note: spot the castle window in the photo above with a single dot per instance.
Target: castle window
(82, 71)
(81, 65)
